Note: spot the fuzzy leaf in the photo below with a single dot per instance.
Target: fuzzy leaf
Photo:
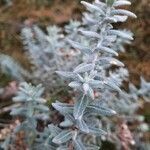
(63, 107)
(121, 34)
(70, 117)
(112, 85)
(123, 12)
(92, 147)
(91, 93)
(82, 126)
(42, 108)
(18, 111)
(116, 62)
(77, 45)
(66, 123)
(86, 88)
(111, 60)
(120, 18)
(79, 145)
(90, 34)
(107, 50)
(75, 84)
(97, 131)
(63, 137)
(95, 83)
(121, 3)
(66, 74)
(101, 110)
(54, 129)
(80, 107)
(83, 68)
(92, 7)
